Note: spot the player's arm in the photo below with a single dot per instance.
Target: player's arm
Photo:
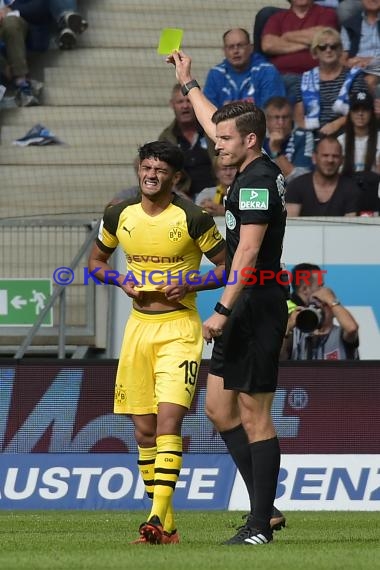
(102, 270)
(251, 237)
(203, 108)
(215, 278)
(194, 282)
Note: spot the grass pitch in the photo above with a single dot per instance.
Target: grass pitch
(98, 540)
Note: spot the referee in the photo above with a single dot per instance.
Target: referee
(249, 322)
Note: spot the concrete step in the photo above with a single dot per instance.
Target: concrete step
(168, 6)
(65, 155)
(106, 96)
(218, 20)
(56, 117)
(136, 57)
(91, 136)
(147, 77)
(69, 199)
(64, 176)
(132, 38)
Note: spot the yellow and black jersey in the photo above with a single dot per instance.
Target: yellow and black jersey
(163, 249)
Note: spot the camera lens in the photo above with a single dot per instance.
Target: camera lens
(309, 319)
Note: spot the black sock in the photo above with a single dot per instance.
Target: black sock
(265, 467)
(236, 441)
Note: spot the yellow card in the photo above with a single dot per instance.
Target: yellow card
(170, 40)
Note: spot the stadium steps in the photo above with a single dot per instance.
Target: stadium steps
(103, 100)
(86, 116)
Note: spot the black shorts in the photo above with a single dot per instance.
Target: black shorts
(247, 354)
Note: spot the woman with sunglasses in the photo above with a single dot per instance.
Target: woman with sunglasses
(323, 98)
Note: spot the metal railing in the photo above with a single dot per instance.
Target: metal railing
(34, 248)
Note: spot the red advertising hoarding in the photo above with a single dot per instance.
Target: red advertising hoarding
(67, 406)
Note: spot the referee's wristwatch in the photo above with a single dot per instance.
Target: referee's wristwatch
(222, 310)
(186, 87)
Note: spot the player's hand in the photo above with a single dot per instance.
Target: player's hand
(182, 63)
(132, 289)
(213, 327)
(174, 292)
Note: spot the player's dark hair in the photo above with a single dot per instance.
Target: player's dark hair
(165, 151)
(248, 118)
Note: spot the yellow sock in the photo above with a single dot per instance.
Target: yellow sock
(147, 458)
(169, 524)
(166, 472)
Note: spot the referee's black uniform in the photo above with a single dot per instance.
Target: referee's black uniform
(247, 354)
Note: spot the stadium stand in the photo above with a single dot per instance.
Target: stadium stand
(103, 100)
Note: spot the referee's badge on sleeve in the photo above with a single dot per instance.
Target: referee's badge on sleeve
(253, 199)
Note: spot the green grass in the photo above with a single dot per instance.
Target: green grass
(97, 540)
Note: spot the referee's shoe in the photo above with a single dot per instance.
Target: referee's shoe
(246, 531)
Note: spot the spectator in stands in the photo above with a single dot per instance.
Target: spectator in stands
(186, 133)
(311, 333)
(291, 148)
(361, 138)
(322, 102)
(361, 40)
(13, 33)
(361, 149)
(346, 9)
(324, 192)
(212, 199)
(63, 13)
(287, 37)
(243, 74)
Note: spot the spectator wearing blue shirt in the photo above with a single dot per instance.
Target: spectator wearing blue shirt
(243, 75)
(291, 148)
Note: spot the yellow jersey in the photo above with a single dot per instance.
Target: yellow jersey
(164, 249)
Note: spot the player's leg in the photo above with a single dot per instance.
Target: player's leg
(255, 410)
(252, 341)
(178, 356)
(223, 410)
(135, 394)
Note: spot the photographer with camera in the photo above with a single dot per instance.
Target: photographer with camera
(311, 333)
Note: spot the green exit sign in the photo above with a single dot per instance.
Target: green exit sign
(22, 300)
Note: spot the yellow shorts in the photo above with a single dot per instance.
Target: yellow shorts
(159, 361)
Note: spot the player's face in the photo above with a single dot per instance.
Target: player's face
(231, 146)
(156, 178)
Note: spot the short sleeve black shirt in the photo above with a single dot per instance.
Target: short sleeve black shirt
(257, 196)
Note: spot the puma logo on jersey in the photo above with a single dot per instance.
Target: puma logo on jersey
(128, 231)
